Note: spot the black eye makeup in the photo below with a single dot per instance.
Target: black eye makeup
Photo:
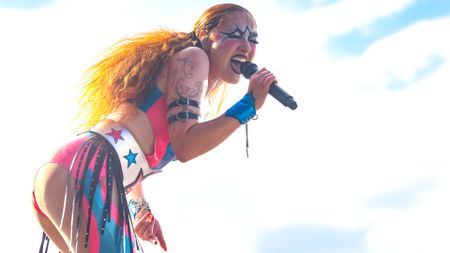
(239, 34)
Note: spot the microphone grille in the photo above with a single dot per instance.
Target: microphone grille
(248, 69)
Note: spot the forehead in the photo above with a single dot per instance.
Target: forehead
(238, 18)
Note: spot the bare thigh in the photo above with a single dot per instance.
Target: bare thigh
(51, 231)
(50, 191)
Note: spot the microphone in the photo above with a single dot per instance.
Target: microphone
(248, 69)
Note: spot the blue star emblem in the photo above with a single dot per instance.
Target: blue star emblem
(131, 158)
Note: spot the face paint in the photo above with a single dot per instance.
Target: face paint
(232, 41)
(239, 34)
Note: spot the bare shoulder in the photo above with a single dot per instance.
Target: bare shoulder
(192, 52)
(194, 58)
(188, 74)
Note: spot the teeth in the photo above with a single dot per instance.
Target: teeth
(239, 59)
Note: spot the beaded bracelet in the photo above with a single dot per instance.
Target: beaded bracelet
(135, 206)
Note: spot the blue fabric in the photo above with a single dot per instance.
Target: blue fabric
(243, 110)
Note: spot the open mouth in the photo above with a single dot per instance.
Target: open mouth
(236, 66)
(236, 63)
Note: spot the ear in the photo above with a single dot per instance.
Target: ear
(203, 36)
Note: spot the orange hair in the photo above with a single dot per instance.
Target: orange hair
(132, 65)
(212, 17)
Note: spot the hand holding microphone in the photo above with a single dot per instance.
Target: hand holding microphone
(249, 68)
(245, 109)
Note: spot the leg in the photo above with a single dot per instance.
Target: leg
(52, 232)
(50, 187)
(98, 221)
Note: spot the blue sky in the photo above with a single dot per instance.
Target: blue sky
(313, 239)
(304, 4)
(25, 4)
(356, 41)
(361, 166)
(433, 63)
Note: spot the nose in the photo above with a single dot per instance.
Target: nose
(245, 46)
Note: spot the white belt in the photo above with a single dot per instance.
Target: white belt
(133, 161)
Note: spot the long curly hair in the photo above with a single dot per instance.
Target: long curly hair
(132, 65)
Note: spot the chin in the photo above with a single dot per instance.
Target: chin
(233, 79)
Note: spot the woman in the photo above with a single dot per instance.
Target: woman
(141, 103)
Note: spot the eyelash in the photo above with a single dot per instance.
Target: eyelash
(240, 37)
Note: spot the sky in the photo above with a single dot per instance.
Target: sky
(362, 165)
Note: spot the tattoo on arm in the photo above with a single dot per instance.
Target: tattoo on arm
(184, 90)
(183, 73)
(186, 87)
(186, 66)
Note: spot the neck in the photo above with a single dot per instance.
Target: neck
(213, 83)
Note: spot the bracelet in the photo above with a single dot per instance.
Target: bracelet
(135, 206)
(243, 110)
(183, 101)
(182, 116)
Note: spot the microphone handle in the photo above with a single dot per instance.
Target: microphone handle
(282, 96)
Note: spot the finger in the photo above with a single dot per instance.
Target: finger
(257, 79)
(146, 232)
(145, 228)
(260, 74)
(269, 81)
(262, 70)
(266, 79)
(139, 222)
(160, 237)
(151, 227)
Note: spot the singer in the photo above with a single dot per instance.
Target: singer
(145, 103)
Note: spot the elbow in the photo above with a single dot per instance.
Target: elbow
(183, 159)
(185, 149)
(183, 155)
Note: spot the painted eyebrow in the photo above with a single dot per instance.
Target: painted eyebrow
(238, 30)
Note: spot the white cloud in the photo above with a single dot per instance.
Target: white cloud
(401, 54)
(350, 138)
(424, 228)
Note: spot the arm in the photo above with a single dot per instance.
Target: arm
(189, 79)
(145, 224)
(137, 191)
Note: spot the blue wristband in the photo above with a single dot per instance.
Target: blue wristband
(243, 110)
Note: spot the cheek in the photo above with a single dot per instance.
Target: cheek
(230, 44)
(252, 51)
(222, 45)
